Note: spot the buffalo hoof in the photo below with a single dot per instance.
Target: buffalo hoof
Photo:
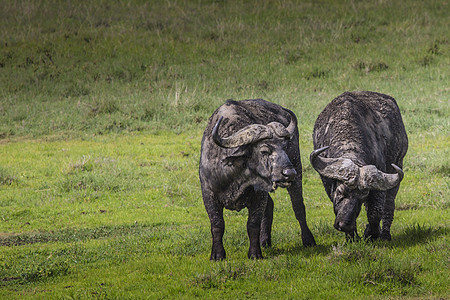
(266, 243)
(372, 233)
(218, 255)
(308, 240)
(385, 236)
(255, 254)
(215, 257)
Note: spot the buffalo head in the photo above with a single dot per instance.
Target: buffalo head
(260, 151)
(351, 185)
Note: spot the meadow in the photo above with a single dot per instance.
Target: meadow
(102, 109)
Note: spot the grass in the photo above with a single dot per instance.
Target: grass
(130, 231)
(152, 66)
(102, 108)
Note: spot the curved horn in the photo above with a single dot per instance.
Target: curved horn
(282, 131)
(293, 124)
(315, 153)
(342, 169)
(248, 135)
(372, 178)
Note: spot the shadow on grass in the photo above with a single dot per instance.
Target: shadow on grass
(417, 234)
(410, 236)
(78, 234)
(322, 250)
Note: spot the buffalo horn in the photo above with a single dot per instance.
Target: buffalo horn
(284, 132)
(372, 178)
(292, 124)
(315, 154)
(365, 177)
(248, 135)
(342, 169)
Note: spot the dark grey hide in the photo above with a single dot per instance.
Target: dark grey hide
(360, 142)
(250, 148)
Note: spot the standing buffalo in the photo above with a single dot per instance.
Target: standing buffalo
(363, 141)
(250, 148)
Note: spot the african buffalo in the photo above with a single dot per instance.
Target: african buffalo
(363, 141)
(249, 148)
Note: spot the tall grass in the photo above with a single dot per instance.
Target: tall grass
(76, 68)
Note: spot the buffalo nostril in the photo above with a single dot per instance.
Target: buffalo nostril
(289, 173)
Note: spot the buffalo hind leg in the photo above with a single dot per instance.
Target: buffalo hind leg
(266, 225)
(295, 192)
(215, 215)
(256, 207)
(388, 214)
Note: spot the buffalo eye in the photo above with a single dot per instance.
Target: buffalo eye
(340, 192)
(265, 150)
(364, 193)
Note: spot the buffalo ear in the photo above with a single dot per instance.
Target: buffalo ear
(239, 151)
(237, 154)
(231, 160)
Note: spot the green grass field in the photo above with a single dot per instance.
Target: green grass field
(102, 109)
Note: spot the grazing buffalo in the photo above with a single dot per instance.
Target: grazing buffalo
(250, 148)
(360, 142)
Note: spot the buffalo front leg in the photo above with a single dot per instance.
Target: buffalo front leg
(374, 208)
(215, 214)
(217, 250)
(266, 224)
(256, 207)
(388, 213)
(295, 191)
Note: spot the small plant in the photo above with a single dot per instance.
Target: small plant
(292, 56)
(389, 271)
(355, 251)
(220, 275)
(44, 270)
(369, 67)
(316, 73)
(426, 60)
(104, 106)
(95, 175)
(85, 164)
(75, 89)
(6, 178)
